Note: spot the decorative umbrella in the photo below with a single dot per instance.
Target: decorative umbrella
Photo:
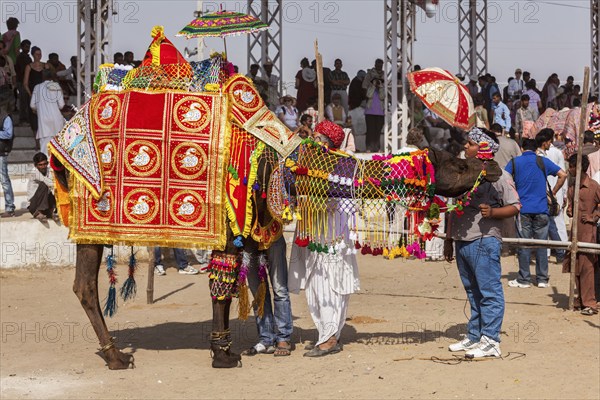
(442, 93)
(222, 24)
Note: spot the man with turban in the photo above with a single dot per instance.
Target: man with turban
(476, 235)
(328, 277)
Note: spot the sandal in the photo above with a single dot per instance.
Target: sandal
(258, 349)
(283, 349)
(589, 311)
(318, 352)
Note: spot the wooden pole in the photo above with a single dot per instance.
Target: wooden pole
(321, 85)
(150, 287)
(574, 239)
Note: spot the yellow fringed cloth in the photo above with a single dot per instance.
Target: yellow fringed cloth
(162, 158)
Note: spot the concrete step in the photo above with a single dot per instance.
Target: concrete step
(24, 143)
(23, 131)
(26, 242)
(21, 203)
(21, 156)
(18, 179)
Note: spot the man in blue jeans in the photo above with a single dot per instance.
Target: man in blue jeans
(477, 236)
(6, 141)
(180, 258)
(533, 221)
(275, 326)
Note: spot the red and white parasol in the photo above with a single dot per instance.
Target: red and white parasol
(442, 93)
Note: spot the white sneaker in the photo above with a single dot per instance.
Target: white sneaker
(543, 284)
(159, 270)
(189, 270)
(516, 283)
(486, 348)
(465, 344)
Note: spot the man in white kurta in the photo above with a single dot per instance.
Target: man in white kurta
(557, 223)
(329, 278)
(47, 101)
(328, 281)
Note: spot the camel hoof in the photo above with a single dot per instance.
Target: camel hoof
(118, 360)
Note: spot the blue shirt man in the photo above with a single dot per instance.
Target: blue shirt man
(501, 112)
(6, 137)
(533, 221)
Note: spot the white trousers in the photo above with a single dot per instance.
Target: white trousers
(327, 307)
(44, 144)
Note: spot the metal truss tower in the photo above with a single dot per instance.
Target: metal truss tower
(267, 44)
(595, 30)
(94, 36)
(472, 37)
(399, 25)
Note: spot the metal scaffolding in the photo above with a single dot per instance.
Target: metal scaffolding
(472, 37)
(94, 36)
(399, 22)
(267, 44)
(595, 30)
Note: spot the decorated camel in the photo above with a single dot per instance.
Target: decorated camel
(171, 154)
(187, 155)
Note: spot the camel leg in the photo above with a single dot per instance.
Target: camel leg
(221, 336)
(85, 287)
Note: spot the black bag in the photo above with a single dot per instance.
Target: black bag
(553, 206)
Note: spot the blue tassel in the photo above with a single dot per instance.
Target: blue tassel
(245, 181)
(110, 260)
(129, 288)
(238, 242)
(110, 308)
(256, 186)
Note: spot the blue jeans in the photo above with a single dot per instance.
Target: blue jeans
(180, 257)
(479, 268)
(274, 327)
(553, 235)
(9, 196)
(533, 226)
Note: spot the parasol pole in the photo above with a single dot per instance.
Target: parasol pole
(225, 45)
(574, 223)
(320, 86)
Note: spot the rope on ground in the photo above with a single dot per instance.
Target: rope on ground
(455, 359)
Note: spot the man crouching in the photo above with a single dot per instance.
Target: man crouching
(40, 189)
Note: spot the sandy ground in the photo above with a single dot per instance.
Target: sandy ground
(395, 340)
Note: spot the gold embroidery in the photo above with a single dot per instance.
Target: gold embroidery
(191, 114)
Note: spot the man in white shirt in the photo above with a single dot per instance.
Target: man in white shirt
(557, 229)
(517, 85)
(40, 189)
(273, 83)
(47, 102)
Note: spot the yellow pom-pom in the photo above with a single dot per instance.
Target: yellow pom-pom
(158, 31)
(298, 216)
(212, 87)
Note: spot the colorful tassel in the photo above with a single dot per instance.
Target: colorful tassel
(261, 294)
(243, 298)
(129, 288)
(110, 307)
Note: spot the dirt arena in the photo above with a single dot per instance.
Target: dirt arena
(395, 342)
